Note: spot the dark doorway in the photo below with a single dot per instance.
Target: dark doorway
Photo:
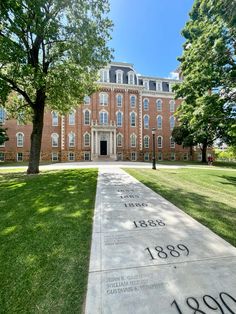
(103, 147)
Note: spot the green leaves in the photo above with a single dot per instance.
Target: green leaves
(3, 135)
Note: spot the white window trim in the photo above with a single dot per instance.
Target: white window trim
(17, 156)
(172, 105)
(57, 119)
(85, 134)
(117, 142)
(69, 135)
(172, 117)
(55, 135)
(117, 95)
(145, 127)
(131, 113)
(55, 153)
(70, 154)
(23, 136)
(103, 111)
(119, 126)
(87, 104)
(89, 111)
(135, 154)
(131, 74)
(117, 74)
(146, 137)
(160, 128)
(133, 106)
(161, 142)
(172, 146)
(157, 84)
(102, 97)
(157, 105)
(146, 99)
(69, 117)
(85, 153)
(146, 84)
(131, 136)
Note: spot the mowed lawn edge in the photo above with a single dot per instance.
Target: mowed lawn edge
(208, 195)
(45, 238)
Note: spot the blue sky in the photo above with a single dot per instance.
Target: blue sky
(147, 33)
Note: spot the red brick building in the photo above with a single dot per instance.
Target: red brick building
(115, 122)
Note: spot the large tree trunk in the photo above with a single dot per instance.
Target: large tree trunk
(36, 135)
(204, 152)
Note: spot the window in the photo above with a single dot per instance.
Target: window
(172, 106)
(133, 140)
(172, 122)
(158, 86)
(103, 99)
(119, 99)
(146, 84)
(86, 139)
(86, 117)
(71, 156)
(19, 157)
(2, 156)
(172, 142)
(146, 104)
(72, 118)
(119, 119)
(159, 122)
(132, 101)
(132, 119)
(86, 100)
(103, 116)
(54, 118)
(54, 156)
(159, 156)
(172, 156)
(20, 139)
(87, 156)
(131, 78)
(20, 118)
(71, 139)
(159, 105)
(146, 121)
(133, 156)
(2, 115)
(159, 141)
(119, 156)
(119, 77)
(146, 141)
(146, 157)
(119, 139)
(55, 138)
(104, 75)
(185, 157)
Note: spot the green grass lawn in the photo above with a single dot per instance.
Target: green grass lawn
(208, 195)
(45, 234)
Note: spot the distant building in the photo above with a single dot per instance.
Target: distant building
(115, 122)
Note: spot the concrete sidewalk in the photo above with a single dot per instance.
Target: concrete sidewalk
(149, 257)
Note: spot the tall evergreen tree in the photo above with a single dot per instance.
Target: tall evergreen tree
(51, 51)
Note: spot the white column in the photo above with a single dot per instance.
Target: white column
(115, 142)
(110, 143)
(96, 142)
(92, 145)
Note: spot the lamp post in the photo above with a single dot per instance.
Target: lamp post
(153, 149)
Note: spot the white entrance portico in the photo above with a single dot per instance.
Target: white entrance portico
(103, 140)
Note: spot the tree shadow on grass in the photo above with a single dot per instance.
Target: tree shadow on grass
(217, 216)
(45, 233)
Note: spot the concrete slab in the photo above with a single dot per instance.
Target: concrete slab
(148, 256)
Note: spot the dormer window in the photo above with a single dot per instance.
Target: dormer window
(146, 84)
(131, 78)
(104, 75)
(119, 77)
(159, 86)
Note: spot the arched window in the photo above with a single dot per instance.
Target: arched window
(132, 119)
(86, 100)
(2, 115)
(146, 121)
(119, 77)
(103, 99)
(119, 139)
(172, 122)
(146, 141)
(71, 137)
(159, 141)
(72, 118)
(119, 99)
(172, 142)
(20, 139)
(103, 117)
(86, 139)
(172, 106)
(86, 117)
(131, 78)
(54, 118)
(133, 140)
(119, 119)
(145, 104)
(146, 84)
(159, 122)
(55, 139)
(159, 105)
(132, 101)
(104, 75)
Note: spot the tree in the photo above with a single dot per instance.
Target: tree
(51, 51)
(208, 67)
(3, 135)
(182, 135)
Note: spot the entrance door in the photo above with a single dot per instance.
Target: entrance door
(103, 147)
